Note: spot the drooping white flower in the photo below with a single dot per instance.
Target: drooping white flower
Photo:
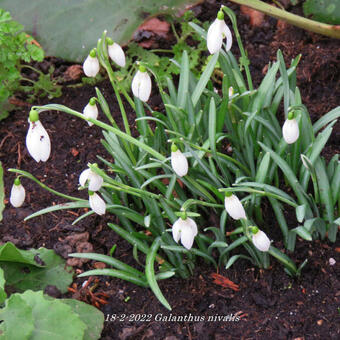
(95, 180)
(37, 139)
(91, 110)
(260, 239)
(186, 230)
(97, 204)
(116, 53)
(91, 64)
(217, 31)
(18, 194)
(141, 84)
(290, 129)
(234, 207)
(179, 162)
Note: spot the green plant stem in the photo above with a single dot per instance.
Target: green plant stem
(190, 202)
(293, 19)
(44, 186)
(104, 126)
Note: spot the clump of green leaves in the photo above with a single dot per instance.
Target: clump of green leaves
(15, 47)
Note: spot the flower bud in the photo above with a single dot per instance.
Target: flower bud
(141, 84)
(95, 180)
(91, 64)
(91, 110)
(97, 204)
(290, 129)
(260, 240)
(233, 206)
(116, 53)
(179, 162)
(18, 194)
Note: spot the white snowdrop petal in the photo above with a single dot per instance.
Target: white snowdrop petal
(214, 37)
(38, 142)
(261, 241)
(179, 163)
(96, 181)
(141, 86)
(234, 207)
(97, 204)
(84, 176)
(176, 230)
(187, 237)
(227, 33)
(290, 131)
(116, 53)
(17, 197)
(91, 66)
(44, 142)
(90, 111)
(192, 225)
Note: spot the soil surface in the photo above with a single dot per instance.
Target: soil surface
(268, 304)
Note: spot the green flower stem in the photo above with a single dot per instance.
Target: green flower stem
(190, 202)
(44, 186)
(244, 61)
(293, 19)
(104, 126)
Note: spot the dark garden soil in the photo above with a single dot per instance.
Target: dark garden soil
(268, 304)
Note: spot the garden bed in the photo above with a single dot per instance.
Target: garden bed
(268, 303)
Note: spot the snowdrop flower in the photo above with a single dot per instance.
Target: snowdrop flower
(37, 140)
(18, 193)
(290, 129)
(91, 64)
(97, 204)
(95, 180)
(91, 110)
(179, 162)
(116, 53)
(186, 230)
(260, 239)
(141, 84)
(233, 206)
(217, 31)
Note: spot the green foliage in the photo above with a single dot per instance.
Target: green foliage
(15, 47)
(2, 191)
(327, 11)
(82, 22)
(40, 317)
(3, 294)
(33, 269)
(232, 139)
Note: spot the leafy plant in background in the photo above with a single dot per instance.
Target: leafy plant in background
(211, 154)
(28, 272)
(17, 48)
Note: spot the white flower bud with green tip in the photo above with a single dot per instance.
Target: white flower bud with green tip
(233, 206)
(217, 31)
(37, 139)
(97, 204)
(91, 64)
(141, 84)
(179, 162)
(290, 129)
(116, 53)
(184, 229)
(260, 239)
(91, 110)
(95, 180)
(18, 194)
